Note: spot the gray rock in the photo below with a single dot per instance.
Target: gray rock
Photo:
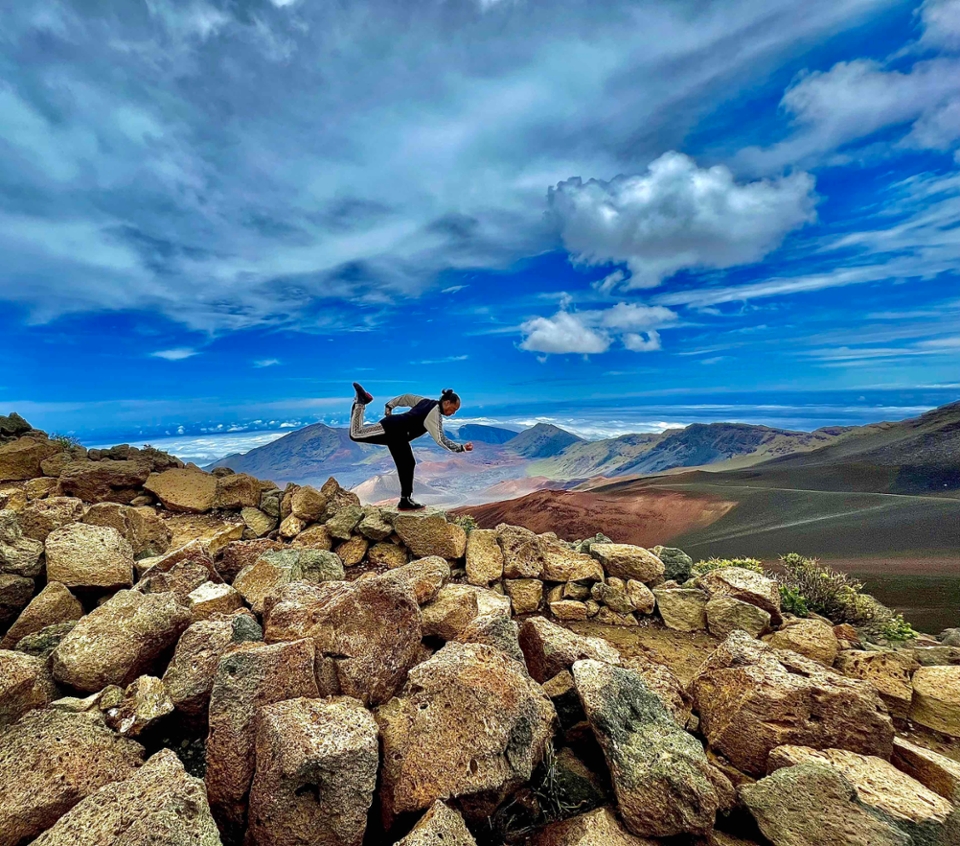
(677, 564)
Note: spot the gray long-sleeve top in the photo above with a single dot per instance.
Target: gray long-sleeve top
(433, 422)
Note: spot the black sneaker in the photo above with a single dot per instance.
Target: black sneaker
(407, 504)
(363, 397)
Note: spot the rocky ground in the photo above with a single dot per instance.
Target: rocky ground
(203, 658)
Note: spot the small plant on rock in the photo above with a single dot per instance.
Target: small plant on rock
(793, 601)
(712, 564)
(465, 521)
(65, 441)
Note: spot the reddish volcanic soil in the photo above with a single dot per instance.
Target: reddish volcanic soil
(645, 519)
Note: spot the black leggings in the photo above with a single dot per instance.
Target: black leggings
(402, 454)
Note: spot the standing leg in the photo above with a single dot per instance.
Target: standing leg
(402, 454)
(358, 431)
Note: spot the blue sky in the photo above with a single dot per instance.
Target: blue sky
(618, 216)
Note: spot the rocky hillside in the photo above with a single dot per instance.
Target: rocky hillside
(204, 658)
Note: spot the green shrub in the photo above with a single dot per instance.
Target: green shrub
(897, 630)
(711, 564)
(464, 521)
(792, 600)
(65, 441)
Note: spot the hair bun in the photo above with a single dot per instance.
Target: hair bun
(448, 390)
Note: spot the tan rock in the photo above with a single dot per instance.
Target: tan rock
(637, 736)
(936, 699)
(353, 551)
(888, 671)
(187, 491)
(19, 555)
(683, 609)
(495, 630)
(425, 577)
(247, 678)
(641, 597)
(15, 594)
(39, 488)
(613, 595)
(374, 526)
(484, 557)
(525, 594)
(454, 607)
(549, 649)
(144, 703)
(39, 518)
(158, 804)
(814, 805)
(120, 640)
(316, 773)
(726, 614)
(258, 523)
(314, 537)
(370, 629)
(428, 533)
(881, 787)
(50, 761)
(146, 533)
(562, 564)
(54, 604)
(746, 586)
(812, 638)
(212, 598)
(598, 828)
(568, 609)
(523, 554)
(625, 561)
(220, 539)
(239, 554)
(25, 684)
(752, 698)
(344, 521)
(664, 685)
(85, 556)
(440, 826)
(104, 481)
(237, 491)
(292, 526)
(572, 590)
(13, 499)
(273, 570)
(468, 722)
(308, 504)
(190, 674)
(933, 770)
(20, 459)
(608, 617)
(388, 555)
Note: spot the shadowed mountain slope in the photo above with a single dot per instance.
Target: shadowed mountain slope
(485, 434)
(542, 441)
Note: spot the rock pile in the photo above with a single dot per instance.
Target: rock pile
(358, 675)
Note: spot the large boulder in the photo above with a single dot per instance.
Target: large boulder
(119, 640)
(308, 504)
(889, 671)
(369, 630)
(752, 698)
(745, 585)
(682, 609)
(42, 516)
(598, 828)
(677, 564)
(562, 564)
(248, 678)
(440, 826)
(104, 481)
(236, 491)
(25, 684)
(159, 803)
(659, 772)
(936, 699)
(550, 649)
(239, 554)
(484, 557)
(12, 426)
(812, 638)
(257, 523)
(184, 490)
(880, 787)
(526, 595)
(146, 533)
(661, 681)
(374, 527)
(624, 561)
(342, 524)
(15, 594)
(468, 723)
(428, 533)
(180, 571)
(814, 805)
(316, 772)
(54, 604)
(497, 631)
(725, 614)
(933, 770)
(50, 761)
(273, 570)
(85, 556)
(211, 598)
(189, 676)
(19, 555)
(454, 607)
(522, 552)
(20, 459)
(425, 577)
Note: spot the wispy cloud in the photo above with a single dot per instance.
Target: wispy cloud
(449, 359)
(266, 362)
(178, 354)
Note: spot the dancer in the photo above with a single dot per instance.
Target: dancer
(395, 431)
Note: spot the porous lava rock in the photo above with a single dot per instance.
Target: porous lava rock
(549, 649)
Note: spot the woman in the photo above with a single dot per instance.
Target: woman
(395, 431)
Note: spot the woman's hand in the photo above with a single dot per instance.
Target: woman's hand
(468, 447)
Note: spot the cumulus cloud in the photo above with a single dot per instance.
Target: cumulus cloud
(594, 331)
(678, 215)
(178, 354)
(941, 24)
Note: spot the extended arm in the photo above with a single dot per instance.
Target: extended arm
(433, 423)
(404, 401)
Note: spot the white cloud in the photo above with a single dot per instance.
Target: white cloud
(178, 354)
(678, 215)
(941, 22)
(266, 362)
(646, 342)
(633, 317)
(562, 333)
